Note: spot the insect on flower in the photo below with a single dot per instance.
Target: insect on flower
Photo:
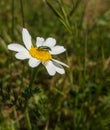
(41, 53)
(44, 48)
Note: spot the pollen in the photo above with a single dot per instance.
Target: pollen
(40, 54)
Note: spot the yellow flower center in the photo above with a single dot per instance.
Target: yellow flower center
(40, 54)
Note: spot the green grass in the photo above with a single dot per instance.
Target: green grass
(77, 100)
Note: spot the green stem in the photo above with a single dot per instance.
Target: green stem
(29, 93)
(28, 119)
(22, 13)
(75, 7)
(33, 77)
(13, 17)
(85, 64)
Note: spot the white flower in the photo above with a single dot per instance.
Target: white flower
(42, 53)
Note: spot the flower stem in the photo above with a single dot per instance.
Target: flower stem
(29, 92)
(28, 119)
(32, 78)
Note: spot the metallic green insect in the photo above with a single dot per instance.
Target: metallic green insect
(44, 48)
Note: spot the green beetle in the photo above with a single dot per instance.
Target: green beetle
(44, 48)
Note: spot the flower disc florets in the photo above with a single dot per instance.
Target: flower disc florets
(40, 54)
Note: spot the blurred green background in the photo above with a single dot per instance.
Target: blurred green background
(77, 100)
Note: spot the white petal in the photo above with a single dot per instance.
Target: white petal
(59, 68)
(57, 50)
(39, 41)
(50, 68)
(26, 38)
(22, 55)
(17, 47)
(34, 62)
(50, 42)
(60, 63)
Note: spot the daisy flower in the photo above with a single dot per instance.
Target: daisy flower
(41, 53)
